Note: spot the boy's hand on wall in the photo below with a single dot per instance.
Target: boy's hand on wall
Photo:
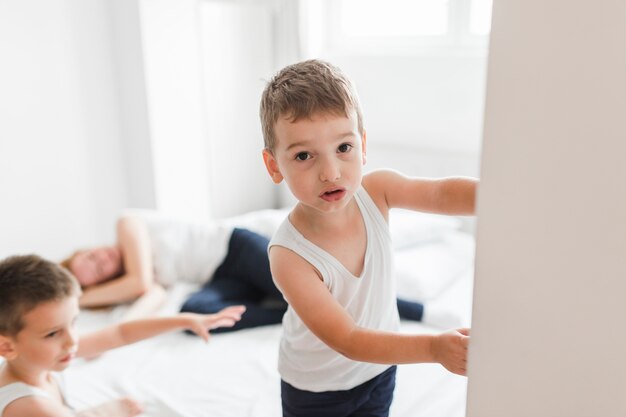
(450, 350)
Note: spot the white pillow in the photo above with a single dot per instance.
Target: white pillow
(410, 228)
(263, 222)
(407, 227)
(426, 271)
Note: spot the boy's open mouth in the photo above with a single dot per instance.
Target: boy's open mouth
(67, 358)
(333, 195)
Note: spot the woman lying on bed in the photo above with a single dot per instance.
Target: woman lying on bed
(154, 251)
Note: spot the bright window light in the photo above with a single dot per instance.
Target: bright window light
(394, 18)
(480, 17)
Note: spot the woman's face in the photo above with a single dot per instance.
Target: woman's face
(95, 265)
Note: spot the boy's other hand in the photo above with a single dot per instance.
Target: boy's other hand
(450, 350)
(122, 407)
(200, 324)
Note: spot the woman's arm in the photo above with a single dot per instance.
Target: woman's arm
(138, 276)
(147, 304)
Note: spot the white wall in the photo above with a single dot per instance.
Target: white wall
(130, 71)
(549, 308)
(238, 56)
(170, 47)
(107, 104)
(61, 173)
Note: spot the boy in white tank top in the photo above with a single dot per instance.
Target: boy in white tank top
(38, 309)
(332, 258)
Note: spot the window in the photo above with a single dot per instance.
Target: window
(480, 17)
(410, 26)
(398, 18)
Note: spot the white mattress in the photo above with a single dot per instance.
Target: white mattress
(235, 374)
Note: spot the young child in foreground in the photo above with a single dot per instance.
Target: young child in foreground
(38, 309)
(332, 259)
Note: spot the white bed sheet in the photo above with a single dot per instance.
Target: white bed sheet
(178, 375)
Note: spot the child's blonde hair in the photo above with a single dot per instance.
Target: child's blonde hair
(27, 281)
(304, 89)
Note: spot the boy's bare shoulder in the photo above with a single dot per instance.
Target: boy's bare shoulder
(378, 180)
(376, 183)
(287, 264)
(381, 174)
(281, 256)
(35, 406)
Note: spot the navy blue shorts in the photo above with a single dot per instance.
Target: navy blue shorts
(371, 399)
(243, 277)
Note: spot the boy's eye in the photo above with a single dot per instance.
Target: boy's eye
(52, 334)
(344, 147)
(302, 156)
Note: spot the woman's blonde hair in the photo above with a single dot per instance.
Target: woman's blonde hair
(65, 263)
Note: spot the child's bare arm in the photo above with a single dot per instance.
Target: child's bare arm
(133, 331)
(327, 319)
(452, 195)
(122, 407)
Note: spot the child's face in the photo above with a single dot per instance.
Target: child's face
(48, 341)
(320, 158)
(95, 265)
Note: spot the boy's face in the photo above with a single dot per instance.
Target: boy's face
(48, 341)
(320, 158)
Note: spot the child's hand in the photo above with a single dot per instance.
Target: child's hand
(200, 324)
(122, 407)
(450, 350)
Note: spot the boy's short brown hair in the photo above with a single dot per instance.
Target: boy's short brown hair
(304, 89)
(27, 281)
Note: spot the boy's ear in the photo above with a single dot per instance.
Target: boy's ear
(272, 166)
(7, 348)
(364, 146)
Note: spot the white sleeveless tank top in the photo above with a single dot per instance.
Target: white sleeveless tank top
(17, 390)
(305, 361)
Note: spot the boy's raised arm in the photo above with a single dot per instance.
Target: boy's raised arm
(451, 195)
(327, 319)
(133, 331)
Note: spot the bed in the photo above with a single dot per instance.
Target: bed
(178, 375)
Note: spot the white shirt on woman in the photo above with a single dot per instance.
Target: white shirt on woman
(184, 250)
